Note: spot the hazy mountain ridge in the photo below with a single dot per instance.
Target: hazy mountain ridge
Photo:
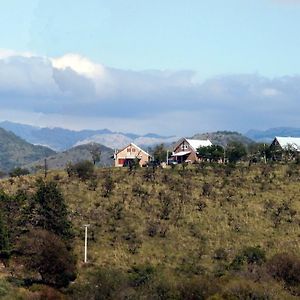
(269, 134)
(59, 160)
(16, 152)
(61, 139)
(222, 138)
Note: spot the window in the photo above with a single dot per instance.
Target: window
(133, 149)
(128, 149)
(121, 161)
(184, 147)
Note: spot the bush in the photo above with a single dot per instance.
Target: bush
(245, 290)
(285, 267)
(47, 254)
(140, 275)
(16, 172)
(83, 169)
(250, 255)
(100, 284)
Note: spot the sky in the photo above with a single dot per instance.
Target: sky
(170, 67)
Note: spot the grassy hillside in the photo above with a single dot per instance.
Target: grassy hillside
(15, 152)
(182, 233)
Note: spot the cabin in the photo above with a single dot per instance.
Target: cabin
(286, 143)
(185, 150)
(280, 144)
(127, 155)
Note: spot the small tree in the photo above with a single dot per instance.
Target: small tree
(83, 169)
(16, 172)
(47, 254)
(96, 153)
(235, 151)
(160, 153)
(52, 214)
(211, 153)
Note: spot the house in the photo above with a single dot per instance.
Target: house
(286, 143)
(280, 144)
(130, 153)
(185, 150)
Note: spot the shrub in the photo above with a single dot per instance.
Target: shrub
(199, 288)
(108, 186)
(245, 290)
(140, 275)
(286, 267)
(17, 172)
(83, 169)
(206, 189)
(220, 254)
(250, 255)
(47, 254)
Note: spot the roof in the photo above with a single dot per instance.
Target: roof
(134, 145)
(181, 153)
(195, 144)
(286, 142)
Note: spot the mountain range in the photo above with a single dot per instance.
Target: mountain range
(269, 134)
(60, 139)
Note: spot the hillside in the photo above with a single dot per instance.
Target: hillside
(269, 135)
(15, 152)
(74, 155)
(222, 138)
(197, 233)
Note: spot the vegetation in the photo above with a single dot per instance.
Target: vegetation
(207, 231)
(15, 152)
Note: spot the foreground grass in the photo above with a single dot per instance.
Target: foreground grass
(168, 227)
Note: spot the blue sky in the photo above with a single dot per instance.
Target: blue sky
(227, 63)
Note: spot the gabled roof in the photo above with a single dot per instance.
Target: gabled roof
(134, 145)
(195, 144)
(286, 142)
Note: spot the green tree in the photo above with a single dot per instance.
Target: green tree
(160, 153)
(83, 169)
(96, 153)
(16, 172)
(47, 254)
(52, 210)
(235, 151)
(211, 153)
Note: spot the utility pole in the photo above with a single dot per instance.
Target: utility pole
(167, 157)
(85, 242)
(265, 156)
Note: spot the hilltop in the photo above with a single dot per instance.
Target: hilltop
(222, 138)
(16, 152)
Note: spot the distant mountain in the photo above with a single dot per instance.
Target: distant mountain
(74, 155)
(268, 135)
(118, 140)
(15, 152)
(61, 139)
(224, 137)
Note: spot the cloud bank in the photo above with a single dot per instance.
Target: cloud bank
(72, 91)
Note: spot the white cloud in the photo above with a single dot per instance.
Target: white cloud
(80, 93)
